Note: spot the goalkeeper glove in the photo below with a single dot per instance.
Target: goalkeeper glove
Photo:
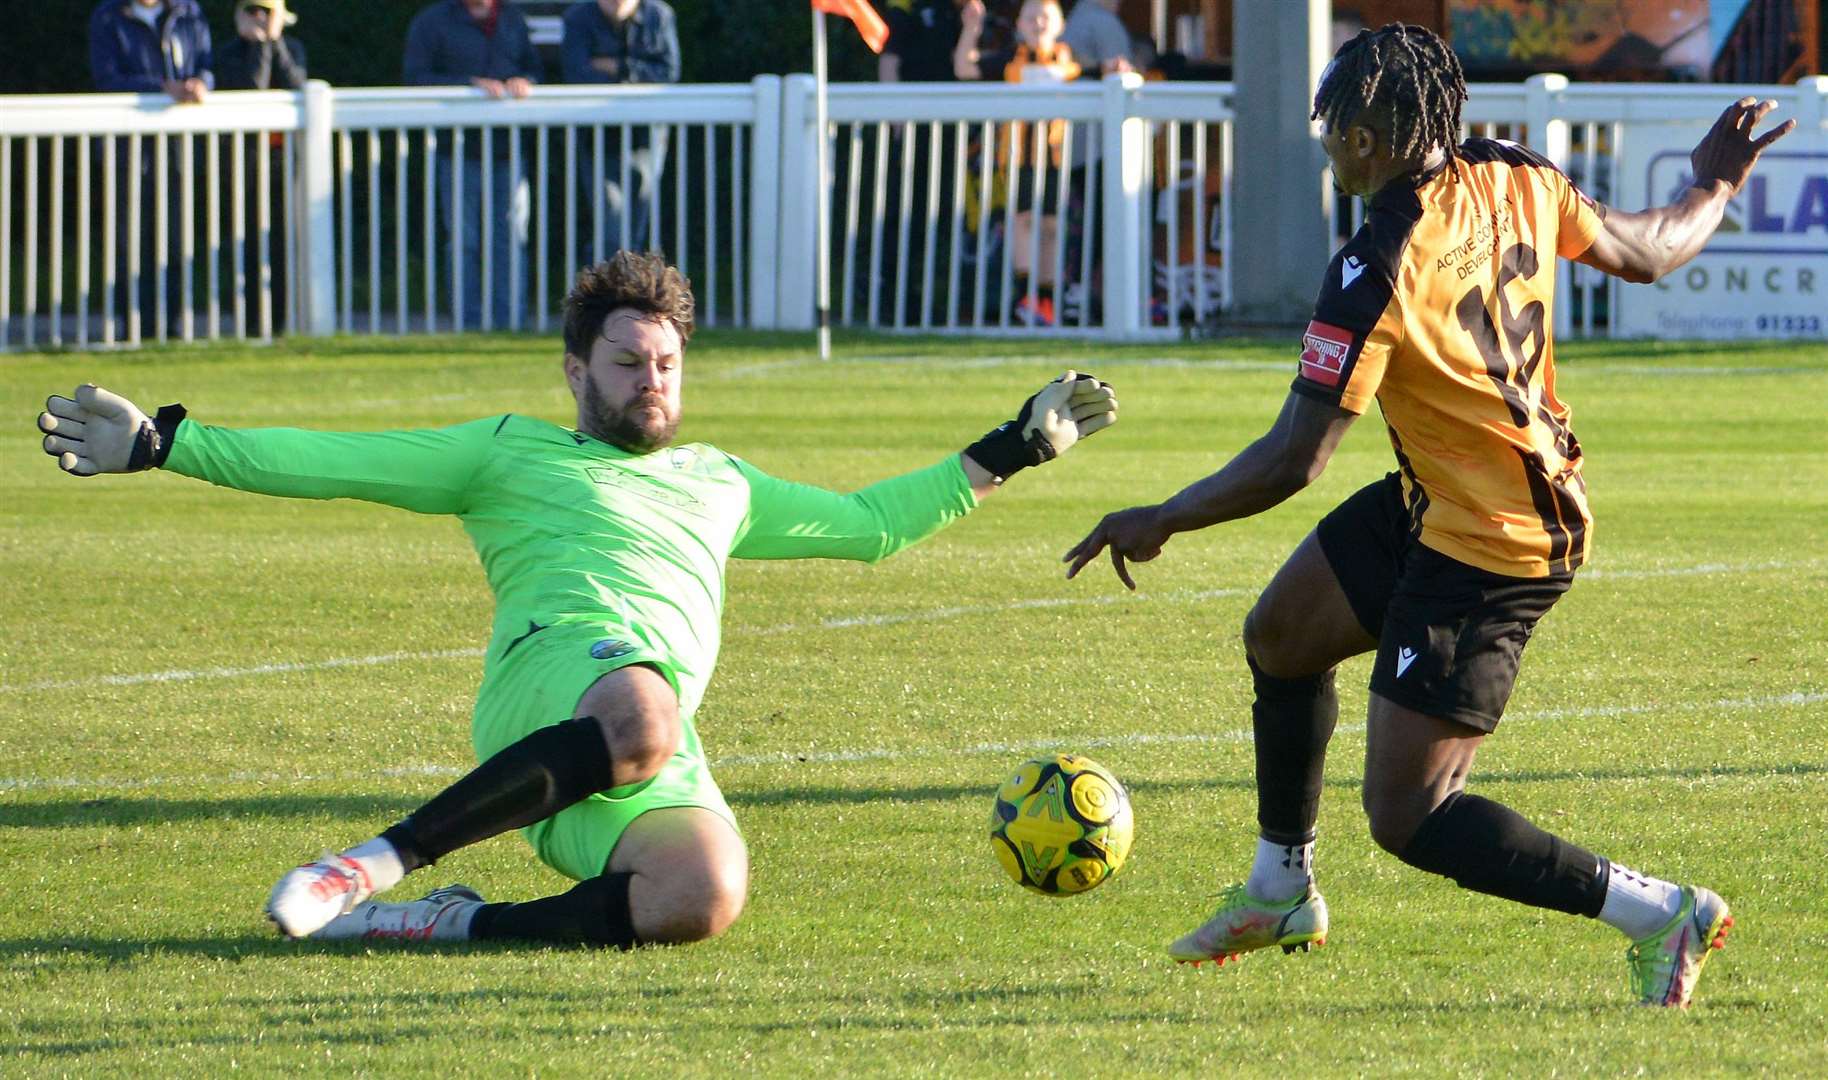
(1059, 415)
(100, 431)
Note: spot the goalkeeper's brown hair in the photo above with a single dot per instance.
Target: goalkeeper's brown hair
(643, 282)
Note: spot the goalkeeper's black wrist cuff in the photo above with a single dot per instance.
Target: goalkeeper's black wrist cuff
(1003, 451)
(153, 443)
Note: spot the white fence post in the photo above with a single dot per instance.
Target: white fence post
(1549, 137)
(799, 202)
(1125, 146)
(319, 231)
(1811, 105)
(764, 201)
(1542, 104)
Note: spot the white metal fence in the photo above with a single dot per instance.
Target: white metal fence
(1091, 207)
(125, 218)
(120, 223)
(966, 207)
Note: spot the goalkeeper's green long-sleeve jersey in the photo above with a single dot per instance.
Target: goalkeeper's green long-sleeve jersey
(570, 528)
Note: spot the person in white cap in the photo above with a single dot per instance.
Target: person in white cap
(260, 56)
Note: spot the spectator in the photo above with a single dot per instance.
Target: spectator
(147, 47)
(1038, 57)
(1099, 38)
(151, 46)
(621, 41)
(261, 57)
(485, 44)
(921, 36)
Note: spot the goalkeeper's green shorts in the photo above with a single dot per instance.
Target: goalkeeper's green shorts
(539, 684)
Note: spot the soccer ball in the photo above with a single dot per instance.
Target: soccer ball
(1061, 825)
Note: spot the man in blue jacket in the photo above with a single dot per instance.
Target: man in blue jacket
(151, 46)
(147, 47)
(484, 44)
(621, 41)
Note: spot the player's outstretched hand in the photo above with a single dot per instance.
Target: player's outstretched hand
(99, 431)
(1135, 535)
(1049, 424)
(1728, 151)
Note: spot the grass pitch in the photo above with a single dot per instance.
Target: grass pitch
(200, 687)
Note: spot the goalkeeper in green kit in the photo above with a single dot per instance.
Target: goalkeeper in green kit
(605, 549)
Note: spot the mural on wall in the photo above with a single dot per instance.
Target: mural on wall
(1622, 38)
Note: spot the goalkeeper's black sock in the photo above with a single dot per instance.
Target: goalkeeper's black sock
(1490, 848)
(595, 912)
(529, 781)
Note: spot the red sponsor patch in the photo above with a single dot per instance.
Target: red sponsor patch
(1324, 349)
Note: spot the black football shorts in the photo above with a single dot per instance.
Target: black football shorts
(1450, 636)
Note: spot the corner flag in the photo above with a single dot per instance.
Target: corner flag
(875, 32)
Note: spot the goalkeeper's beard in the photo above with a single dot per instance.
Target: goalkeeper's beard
(633, 427)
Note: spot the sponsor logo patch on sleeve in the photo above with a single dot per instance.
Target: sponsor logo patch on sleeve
(1324, 348)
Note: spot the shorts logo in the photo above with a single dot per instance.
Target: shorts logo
(1349, 270)
(610, 648)
(1324, 349)
(1404, 657)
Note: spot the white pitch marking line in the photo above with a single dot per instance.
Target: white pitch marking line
(1215, 363)
(891, 619)
(838, 623)
(840, 757)
(935, 614)
(240, 672)
(1699, 570)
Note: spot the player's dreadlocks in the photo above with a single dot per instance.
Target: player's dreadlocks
(630, 279)
(1402, 75)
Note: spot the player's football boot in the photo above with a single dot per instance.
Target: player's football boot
(311, 895)
(1666, 965)
(440, 915)
(1244, 922)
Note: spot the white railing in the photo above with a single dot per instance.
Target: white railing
(133, 218)
(985, 208)
(568, 175)
(125, 218)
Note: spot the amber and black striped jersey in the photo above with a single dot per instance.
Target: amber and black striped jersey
(1440, 307)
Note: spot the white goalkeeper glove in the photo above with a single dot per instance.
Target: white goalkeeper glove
(100, 431)
(1049, 423)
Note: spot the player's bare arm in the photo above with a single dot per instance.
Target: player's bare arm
(1644, 246)
(1285, 459)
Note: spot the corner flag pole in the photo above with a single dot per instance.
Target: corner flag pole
(876, 35)
(822, 228)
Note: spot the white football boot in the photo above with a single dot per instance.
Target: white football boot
(313, 894)
(440, 915)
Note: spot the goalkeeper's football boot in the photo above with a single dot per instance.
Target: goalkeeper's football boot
(1666, 965)
(311, 895)
(1244, 923)
(440, 915)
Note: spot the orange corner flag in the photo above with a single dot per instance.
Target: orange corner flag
(875, 32)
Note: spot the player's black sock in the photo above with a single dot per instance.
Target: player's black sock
(529, 781)
(1490, 848)
(595, 912)
(1292, 720)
